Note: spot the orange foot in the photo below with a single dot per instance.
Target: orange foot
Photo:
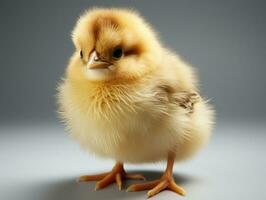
(117, 174)
(157, 186)
(165, 182)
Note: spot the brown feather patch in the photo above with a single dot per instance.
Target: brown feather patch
(187, 100)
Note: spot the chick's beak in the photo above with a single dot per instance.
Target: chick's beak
(96, 63)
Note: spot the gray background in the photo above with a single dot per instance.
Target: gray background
(224, 40)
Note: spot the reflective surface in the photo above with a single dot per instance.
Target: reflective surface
(39, 162)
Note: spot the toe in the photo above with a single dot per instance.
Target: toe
(142, 186)
(158, 188)
(135, 176)
(118, 179)
(91, 177)
(107, 180)
(175, 188)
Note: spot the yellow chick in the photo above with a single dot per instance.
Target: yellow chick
(128, 98)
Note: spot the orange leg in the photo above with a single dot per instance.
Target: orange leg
(166, 182)
(117, 174)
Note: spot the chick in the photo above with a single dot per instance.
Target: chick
(127, 97)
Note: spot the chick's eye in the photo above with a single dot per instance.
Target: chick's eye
(81, 54)
(117, 53)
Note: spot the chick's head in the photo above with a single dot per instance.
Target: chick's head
(113, 45)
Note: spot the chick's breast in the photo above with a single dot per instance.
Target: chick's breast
(140, 122)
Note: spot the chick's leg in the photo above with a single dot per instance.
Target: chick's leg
(166, 182)
(117, 174)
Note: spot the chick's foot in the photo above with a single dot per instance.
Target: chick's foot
(117, 174)
(155, 187)
(166, 182)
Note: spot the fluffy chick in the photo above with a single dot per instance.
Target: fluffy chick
(128, 98)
